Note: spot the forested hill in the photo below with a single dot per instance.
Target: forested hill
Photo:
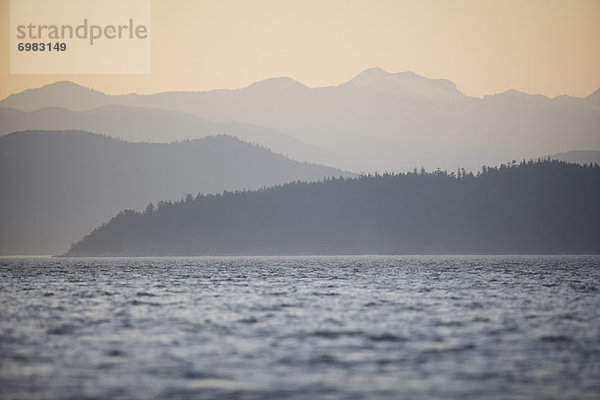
(58, 185)
(534, 207)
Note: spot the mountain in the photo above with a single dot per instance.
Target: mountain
(58, 185)
(407, 85)
(59, 94)
(577, 156)
(386, 121)
(511, 209)
(139, 124)
(593, 100)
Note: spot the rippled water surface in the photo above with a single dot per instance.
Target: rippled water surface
(301, 328)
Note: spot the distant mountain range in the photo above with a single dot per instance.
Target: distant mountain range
(378, 120)
(577, 156)
(58, 185)
(139, 124)
(535, 207)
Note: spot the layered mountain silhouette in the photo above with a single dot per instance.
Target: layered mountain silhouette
(533, 207)
(386, 121)
(58, 185)
(139, 124)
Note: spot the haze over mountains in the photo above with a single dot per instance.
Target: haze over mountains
(384, 121)
(57, 186)
(141, 124)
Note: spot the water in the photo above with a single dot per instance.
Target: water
(503, 327)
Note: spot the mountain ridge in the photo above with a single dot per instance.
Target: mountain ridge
(577, 156)
(57, 185)
(399, 122)
(290, 80)
(407, 83)
(141, 124)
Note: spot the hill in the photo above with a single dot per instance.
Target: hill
(386, 121)
(142, 124)
(58, 185)
(534, 207)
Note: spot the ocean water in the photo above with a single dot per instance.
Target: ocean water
(411, 327)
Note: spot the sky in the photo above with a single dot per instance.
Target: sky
(550, 47)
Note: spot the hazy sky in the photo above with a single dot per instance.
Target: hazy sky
(550, 47)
